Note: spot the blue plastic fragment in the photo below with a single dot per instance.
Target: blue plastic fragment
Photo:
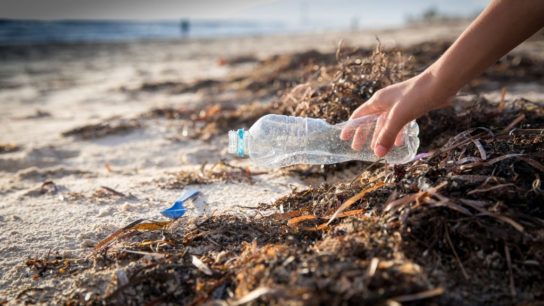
(177, 210)
(240, 148)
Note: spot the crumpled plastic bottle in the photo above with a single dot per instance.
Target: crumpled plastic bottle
(276, 141)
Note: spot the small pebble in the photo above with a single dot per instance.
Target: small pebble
(84, 236)
(88, 243)
(125, 207)
(88, 296)
(107, 228)
(106, 211)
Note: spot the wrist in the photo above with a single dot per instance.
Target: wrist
(438, 89)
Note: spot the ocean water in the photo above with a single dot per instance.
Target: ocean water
(69, 21)
(19, 32)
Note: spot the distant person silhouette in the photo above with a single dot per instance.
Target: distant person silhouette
(185, 26)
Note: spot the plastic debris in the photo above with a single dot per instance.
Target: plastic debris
(177, 210)
(422, 155)
(200, 265)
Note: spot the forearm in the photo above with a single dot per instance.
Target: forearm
(498, 29)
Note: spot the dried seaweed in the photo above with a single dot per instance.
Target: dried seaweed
(336, 91)
(8, 148)
(219, 172)
(439, 126)
(423, 237)
(169, 113)
(217, 119)
(109, 127)
(57, 265)
(333, 85)
(237, 60)
(462, 225)
(366, 260)
(174, 87)
(329, 86)
(107, 192)
(134, 226)
(36, 174)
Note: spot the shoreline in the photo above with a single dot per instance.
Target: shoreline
(392, 36)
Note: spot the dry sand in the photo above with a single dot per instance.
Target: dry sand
(75, 85)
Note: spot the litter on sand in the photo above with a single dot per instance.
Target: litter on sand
(177, 209)
(461, 224)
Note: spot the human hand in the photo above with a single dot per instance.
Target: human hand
(477, 48)
(395, 106)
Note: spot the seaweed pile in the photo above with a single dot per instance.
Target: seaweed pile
(219, 172)
(8, 148)
(461, 225)
(327, 85)
(273, 84)
(112, 126)
(334, 92)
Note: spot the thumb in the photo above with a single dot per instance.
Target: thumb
(391, 128)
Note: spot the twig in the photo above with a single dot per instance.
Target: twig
(255, 294)
(515, 122)
(339, 49)
(500, 106)
(48, 186)
(113, 191)
(373, 267)
(134, 226)
(481, 149)
(500, 186)
(354, 199)
(155, 255)
(455, 252)
(200, 265)
(484, 212)
(420, 295)
(509, 263)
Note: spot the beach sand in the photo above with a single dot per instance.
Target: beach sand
(50, 89)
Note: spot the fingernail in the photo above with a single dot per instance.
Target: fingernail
(380, 150)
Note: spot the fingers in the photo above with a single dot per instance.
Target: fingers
(348, 130)
(377, 129)
(372, 106)
(388, 134)
(359, 138)
(399, 140)
(365, 109)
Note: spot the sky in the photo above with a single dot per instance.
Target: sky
(336, 12)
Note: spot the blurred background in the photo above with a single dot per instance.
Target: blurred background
(60, 21)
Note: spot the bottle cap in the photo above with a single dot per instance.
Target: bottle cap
(237, 142)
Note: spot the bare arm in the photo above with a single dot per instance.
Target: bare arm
(501, 26)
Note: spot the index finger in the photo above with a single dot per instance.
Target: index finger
(365, 109)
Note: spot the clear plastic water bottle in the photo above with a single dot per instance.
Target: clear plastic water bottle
(277, 141)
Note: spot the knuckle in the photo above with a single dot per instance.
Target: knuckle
(378, 95)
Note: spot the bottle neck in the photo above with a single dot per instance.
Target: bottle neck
(238, 142)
